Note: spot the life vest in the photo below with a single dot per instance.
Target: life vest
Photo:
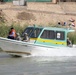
(12, 33)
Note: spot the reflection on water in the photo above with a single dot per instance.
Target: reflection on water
(37, 65)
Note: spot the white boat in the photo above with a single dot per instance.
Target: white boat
(44, 41)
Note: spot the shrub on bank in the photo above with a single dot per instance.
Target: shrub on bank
(72, 37)
(4, 29)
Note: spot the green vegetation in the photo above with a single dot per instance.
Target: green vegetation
(4, 29)
(72, 37)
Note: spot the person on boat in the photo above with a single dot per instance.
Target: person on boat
(25, 38)
(69, 43)
(12, 34)
(18, 37)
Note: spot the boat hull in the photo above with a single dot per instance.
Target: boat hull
(21, 48)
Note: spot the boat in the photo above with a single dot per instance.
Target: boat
(44, 41)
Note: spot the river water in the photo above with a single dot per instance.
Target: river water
(37, 65)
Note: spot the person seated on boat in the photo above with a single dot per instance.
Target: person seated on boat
(69, 43)
(25, 38)
(18, 37)
(12, 34)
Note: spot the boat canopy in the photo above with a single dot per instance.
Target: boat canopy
(60, 29)
(30, 30)
(48, 35)
(33, 32)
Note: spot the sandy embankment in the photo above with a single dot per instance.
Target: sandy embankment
(39, 13)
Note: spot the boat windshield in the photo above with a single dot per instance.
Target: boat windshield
(32, 32)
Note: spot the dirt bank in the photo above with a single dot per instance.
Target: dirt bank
(39, 13)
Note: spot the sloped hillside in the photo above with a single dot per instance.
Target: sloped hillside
(39, 13)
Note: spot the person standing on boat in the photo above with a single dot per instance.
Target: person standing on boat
(12, 34)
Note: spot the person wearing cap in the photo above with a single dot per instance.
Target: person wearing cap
(26, 38)
(12, 34)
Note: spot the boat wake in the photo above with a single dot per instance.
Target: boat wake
(50, 58)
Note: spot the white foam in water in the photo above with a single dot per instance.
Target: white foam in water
(54, 58)
(63, 52)
(53, 53)
(42, 58)
(47, 54)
